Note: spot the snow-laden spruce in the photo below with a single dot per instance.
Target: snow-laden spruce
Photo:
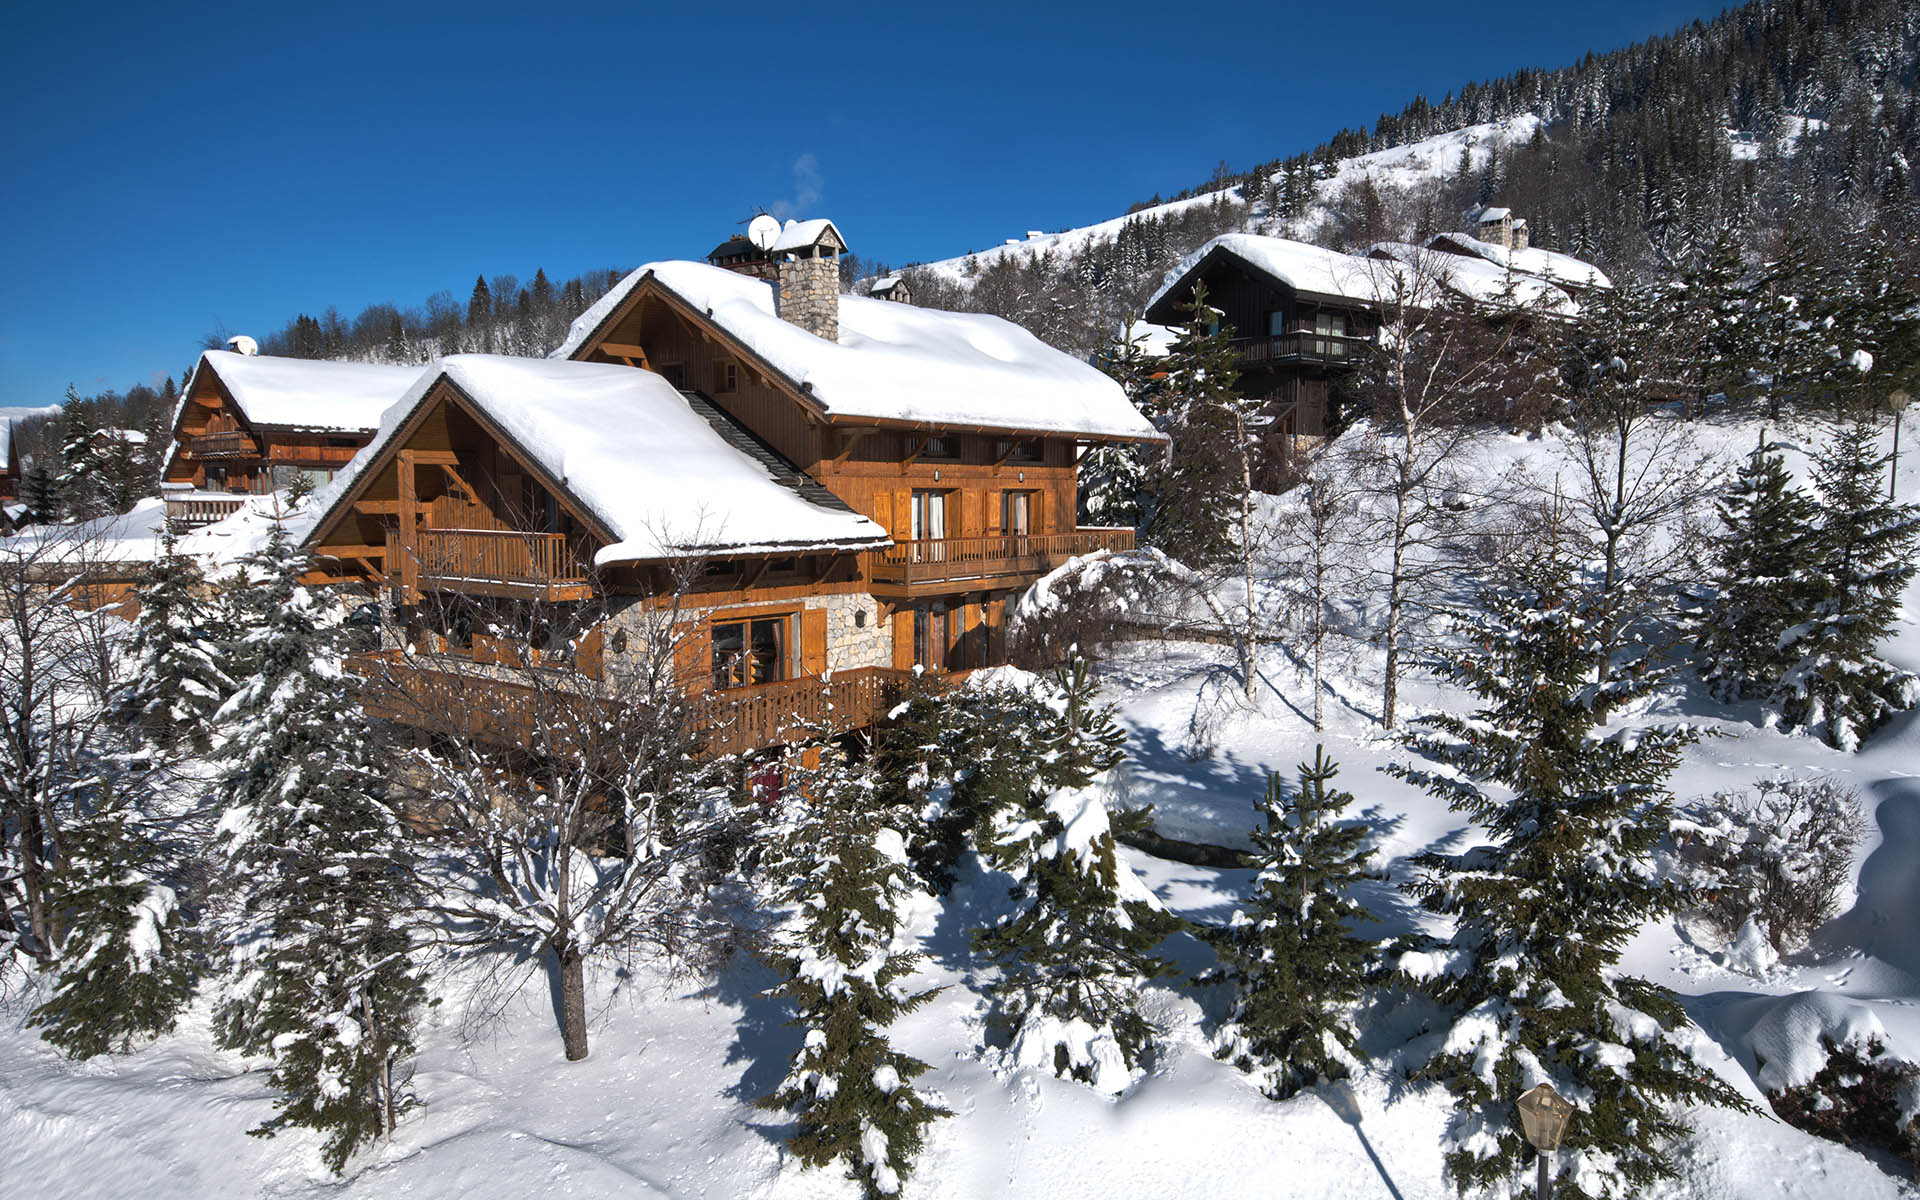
(323, 885)
(1858, 562)
(1542, 913)
(1081, 943)
(845, 952)
(1759, 578)
(1290, 954)
(126, 966)
(177, 681)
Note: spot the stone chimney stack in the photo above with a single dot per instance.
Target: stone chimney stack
(807, 291)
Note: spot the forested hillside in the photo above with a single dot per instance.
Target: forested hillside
(1778, 122)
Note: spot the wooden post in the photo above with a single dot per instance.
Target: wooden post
(409, 519)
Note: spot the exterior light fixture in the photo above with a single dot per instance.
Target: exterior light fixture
(1544, 1114)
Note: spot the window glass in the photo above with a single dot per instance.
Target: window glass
(1276, 324)
(749, 652)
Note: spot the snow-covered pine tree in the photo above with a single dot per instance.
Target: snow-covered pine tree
(1296, 968)
(1080, 946)
(1860, 561)
(1200, 479)
(77, 482)
(126, 965)
(323, 883)
(1542, 913)
(846, 970)
(1116, 480)
(177, 682)
(1717, 310)
(916, 755)
(1758, 589)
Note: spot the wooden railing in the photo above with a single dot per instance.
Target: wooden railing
(938, 560)
(443, 696)
(191, 512)
(495, 556)
(230, 444)
(1300, 347)
(308, 452)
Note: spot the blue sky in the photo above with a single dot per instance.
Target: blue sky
(173, 168)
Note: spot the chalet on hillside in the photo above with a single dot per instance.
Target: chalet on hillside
(1300, 316)
(857, 486)
(248, 424)
(10, 466)
(1496, 236)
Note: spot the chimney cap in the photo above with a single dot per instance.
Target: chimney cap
(818, 235)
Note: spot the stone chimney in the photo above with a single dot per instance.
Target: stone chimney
(1519, 234)
(807, 291)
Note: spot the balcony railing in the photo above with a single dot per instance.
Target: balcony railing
(1300, 347)
(200, 508)
(547, 707)
(225, 445)
(451, 559)
(1001, 557)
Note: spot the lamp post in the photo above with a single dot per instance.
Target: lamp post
(1544, 1114)
(1897, 401)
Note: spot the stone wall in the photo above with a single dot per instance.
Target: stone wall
(809, 295)
(856, 634)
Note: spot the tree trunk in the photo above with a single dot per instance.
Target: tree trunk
(573, 1001)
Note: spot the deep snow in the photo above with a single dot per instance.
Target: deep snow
(662, 1105)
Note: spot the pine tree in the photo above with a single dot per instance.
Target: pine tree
(846, 971)
(1082, 942)
(323, 884)
(1542, 913)
(1116, 480)
(39, 491)
(1861, 559)
(1199, 480)
(1289, 954)
(1758, 589)
(126, 966)
(77, 482)
(177, 680)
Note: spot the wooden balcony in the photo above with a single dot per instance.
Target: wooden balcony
(307, 452)
(201, 508)
(446, 696)
(1300, 347)
(500, 562)
(225, 445)
(930, 566)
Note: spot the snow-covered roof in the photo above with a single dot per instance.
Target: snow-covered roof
(306, 393)
(634, 453)
(8, 416)
(1479, 280)
(1303, 267)
(897, 362)
(133, 437)
(1550, 265)
(883, 284)
(1487, 216)
(800, 235)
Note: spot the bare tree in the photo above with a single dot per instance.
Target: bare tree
(567, 781)
(1318, 543)
(60, 655)
(1635, 479)
(1440, 364)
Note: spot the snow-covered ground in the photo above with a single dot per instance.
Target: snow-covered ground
(662, 1106)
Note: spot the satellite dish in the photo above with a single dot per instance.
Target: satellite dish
(242, 344)
(763, 231)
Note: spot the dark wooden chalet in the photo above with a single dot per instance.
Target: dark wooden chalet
(1299, 314)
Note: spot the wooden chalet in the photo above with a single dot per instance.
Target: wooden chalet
(248, 424)
(10, 467)
(1300, 316)
(826, 491)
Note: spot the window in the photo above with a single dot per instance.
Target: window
(940, 447)
(674, 373)
(1016, 513)
(1026, 450)
(930, 636)
(751, 651)
(783, 566)
(1328, 324)
(929, 523)
(726, 378)
(1276, 323)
